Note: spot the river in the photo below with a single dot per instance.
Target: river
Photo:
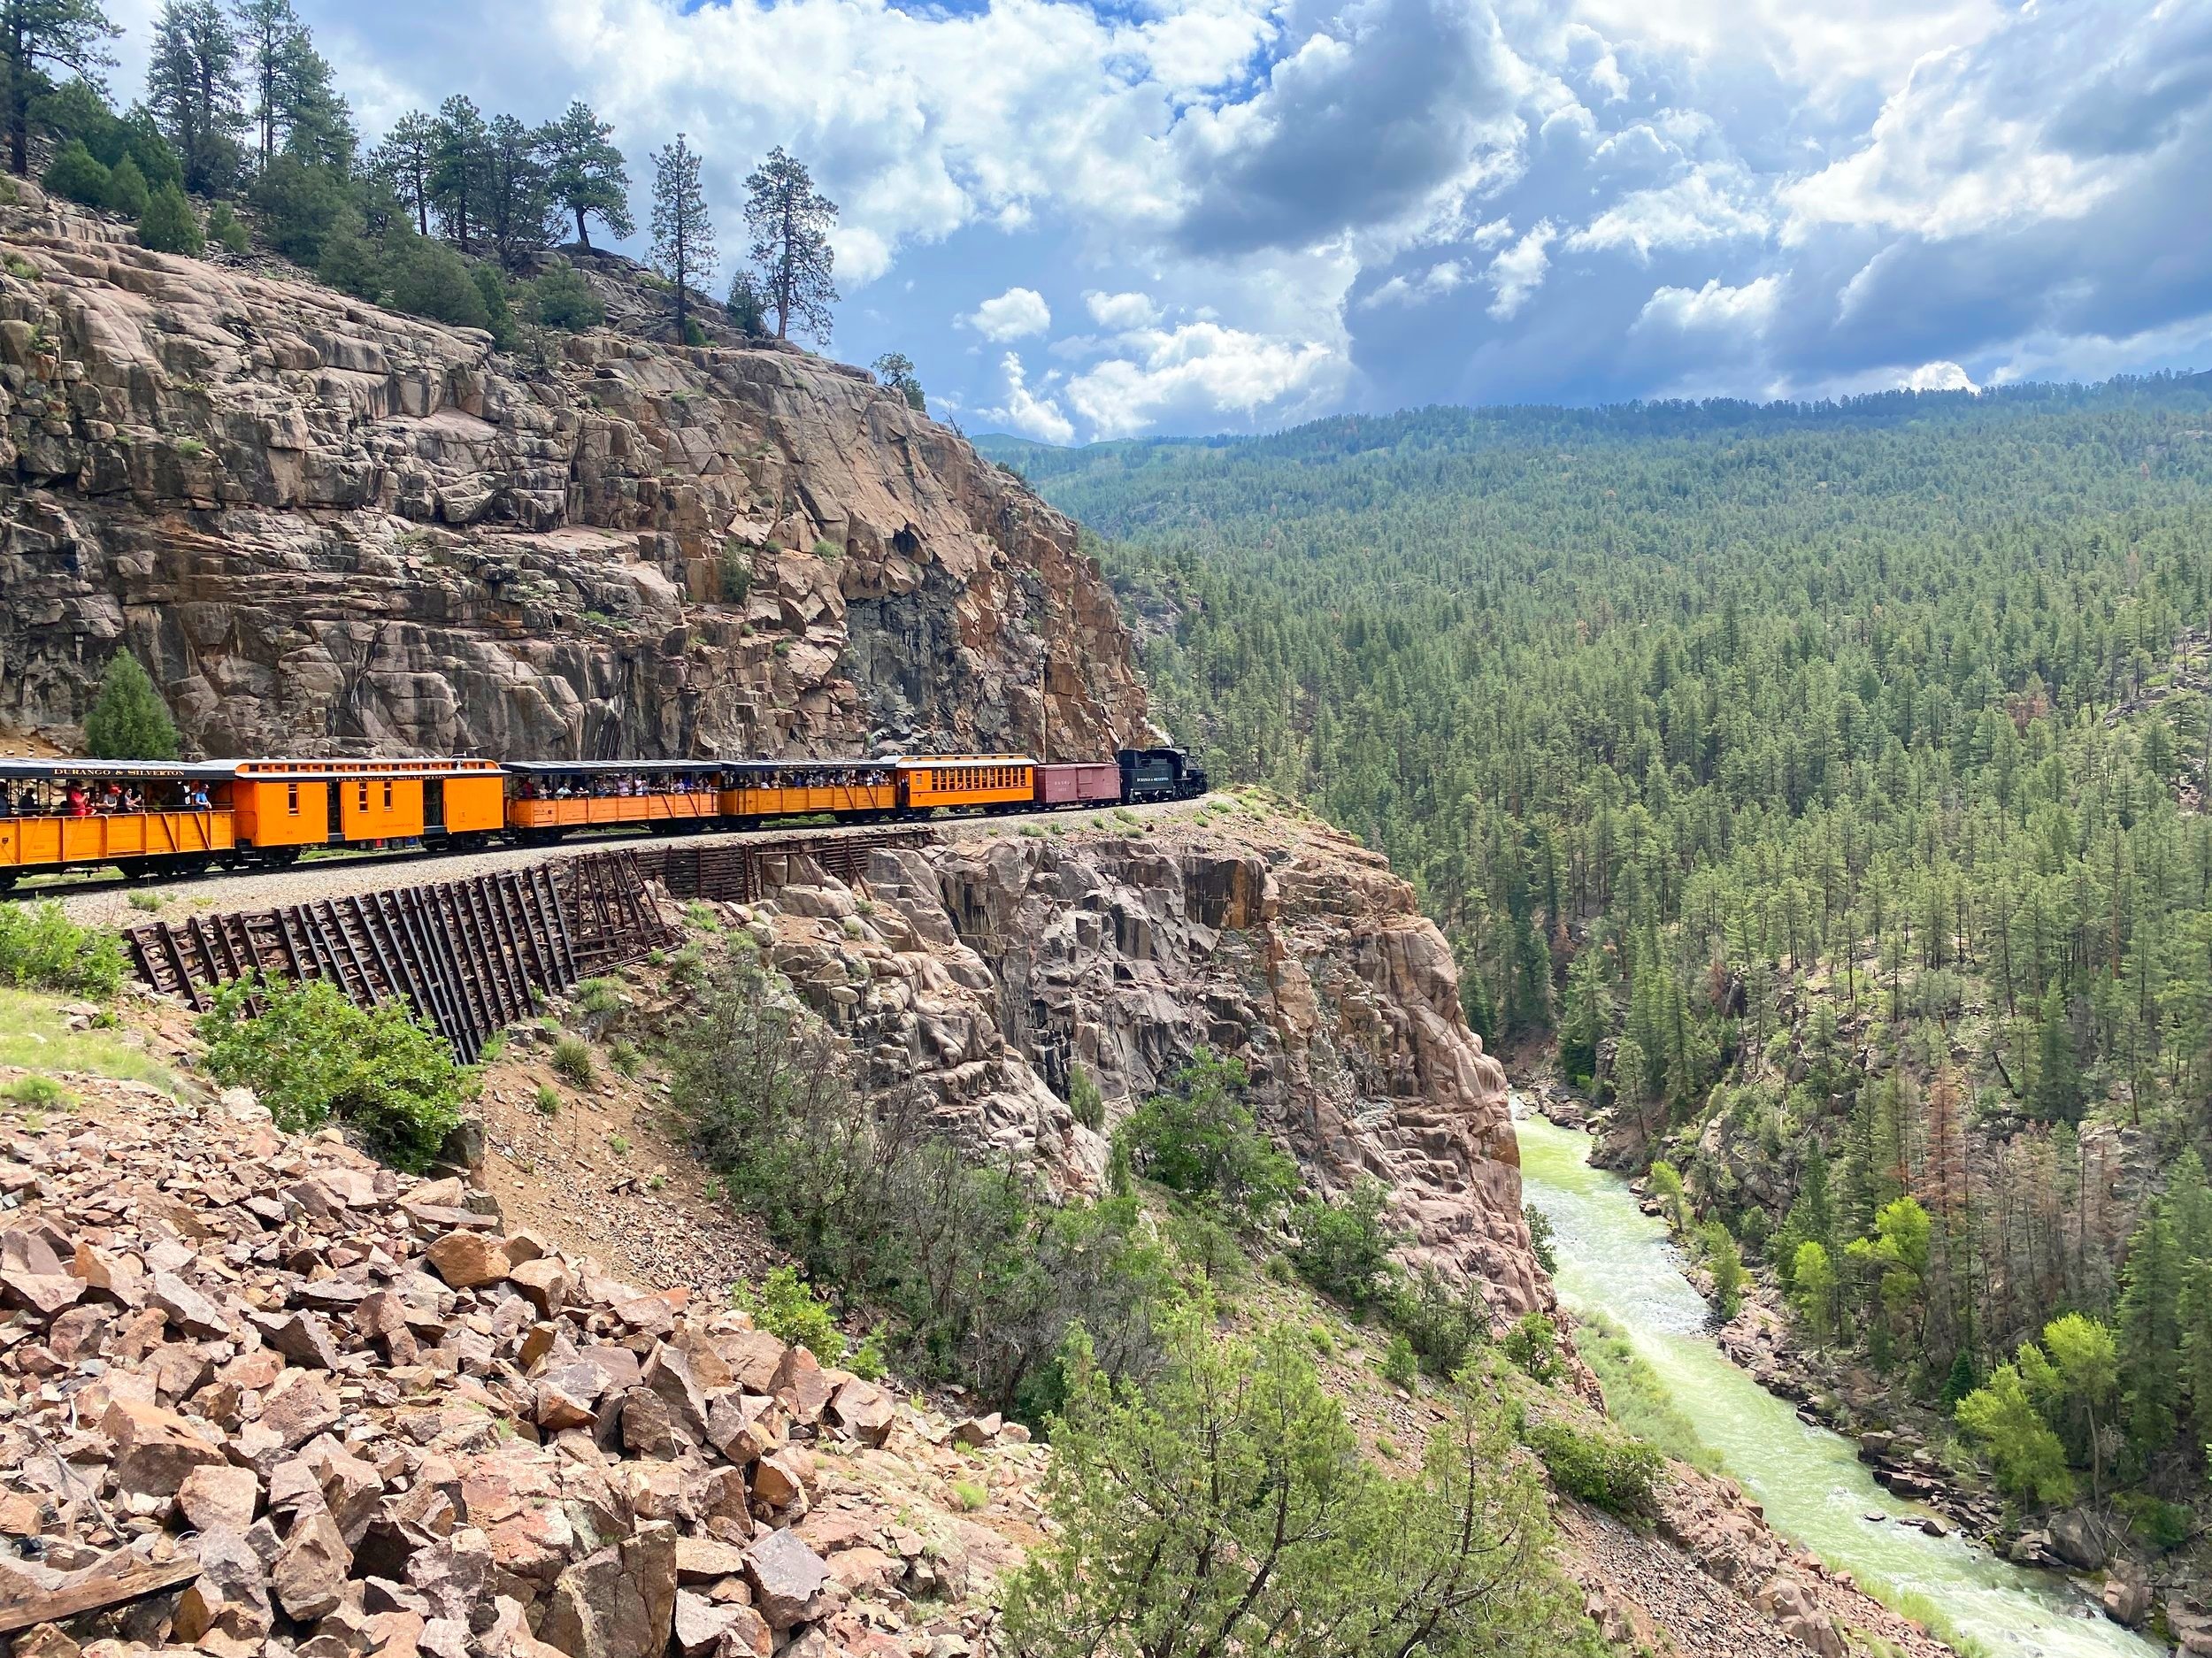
(1614, 1259)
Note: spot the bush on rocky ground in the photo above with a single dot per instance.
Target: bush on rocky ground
(982, 1279)
(1603, 1467)
(41, 949)
(311, 1055)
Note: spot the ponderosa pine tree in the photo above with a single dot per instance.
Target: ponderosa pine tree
(405, 161)
(293, 101)
(192, 87)
(39, 36)
(460, 167)
(790, 223)
(129, 720)
(683, 235)
(586, 174)
(516, 199)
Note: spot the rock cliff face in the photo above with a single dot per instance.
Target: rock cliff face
(327, 527)
(988, 968)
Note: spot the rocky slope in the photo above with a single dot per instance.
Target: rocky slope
(258, 1395)
(331, 528)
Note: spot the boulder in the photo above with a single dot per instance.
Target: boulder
(154, 1449)
(2077, 1540)
(465, 1258)
(219, 1498)
(310, 1574)
(619, 1602)
(785, 1576)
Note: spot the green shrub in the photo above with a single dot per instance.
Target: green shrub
(618, 1144)
(623, 1054)
(1606, 1469)
(300, 205)
(548, 1100)
(746, 307)
(499, 316)
(166, 224)
(1200, 1140)
(562, 298)
(971, 1496)
(828, 550)
(311, 1055)
(126, 193)
(41, 949)
(1401, 1366)
(1343, 1248)
(1085, 1102)
(1534, 1345)
(129, 720)
(1444, 1324)
(430, 279)
(571, 1059)
(598, 996)
(979, 1278)
(351, 264)
(38, 1093)
(74, 172)
(1539, 1238)
(787, 1309)
(225, 226)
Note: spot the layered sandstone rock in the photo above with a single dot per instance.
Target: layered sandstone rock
(328, 527)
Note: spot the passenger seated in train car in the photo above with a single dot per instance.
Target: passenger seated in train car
(196, 801)
(133, 801)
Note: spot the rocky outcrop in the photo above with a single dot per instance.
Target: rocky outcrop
(984, 971)
(331, 528)
(258, 1395)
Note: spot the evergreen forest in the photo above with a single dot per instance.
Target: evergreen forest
(1823, 788)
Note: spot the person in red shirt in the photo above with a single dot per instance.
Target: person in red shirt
(79, 805)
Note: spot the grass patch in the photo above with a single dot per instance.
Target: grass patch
(571, 1060)
(970, 1495)
(40, 1094)
(35, 1036)
(547, 1101)
(1636, 1399)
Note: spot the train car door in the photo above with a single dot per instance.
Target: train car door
(335, 793)
(433, 803)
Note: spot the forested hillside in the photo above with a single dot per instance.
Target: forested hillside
(1826, 783)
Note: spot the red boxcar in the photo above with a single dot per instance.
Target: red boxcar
(1083, 785)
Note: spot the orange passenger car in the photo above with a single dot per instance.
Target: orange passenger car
(965, 781)
(142, 817)
(803, 788)
(548, 799)
(282, 806)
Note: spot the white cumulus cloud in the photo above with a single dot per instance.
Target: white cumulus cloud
(1014, 315)
(1121, 310)
(1517, 274)
(1713, 305)
(1203, 365)
(1939, 377)
(1025, 413)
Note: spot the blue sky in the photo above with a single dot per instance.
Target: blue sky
(1088, 221)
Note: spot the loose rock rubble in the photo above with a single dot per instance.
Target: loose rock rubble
(259, 1395)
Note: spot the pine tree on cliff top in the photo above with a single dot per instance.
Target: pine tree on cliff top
(129, 720)
(790, 220)
(36, 36)
(588, 176)
(683, 236)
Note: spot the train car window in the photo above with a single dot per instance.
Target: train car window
(292, 799)
(365, 794)
(387, 795)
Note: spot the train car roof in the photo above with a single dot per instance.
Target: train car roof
(943, 760)
(295, 770)
(610, 768)
(156, 771)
